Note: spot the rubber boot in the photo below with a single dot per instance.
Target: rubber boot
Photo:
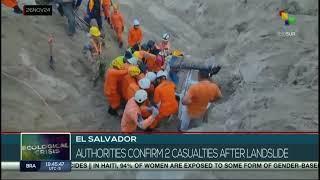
(112, 112)
(17, 10)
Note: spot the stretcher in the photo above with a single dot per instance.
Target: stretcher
(187, 75)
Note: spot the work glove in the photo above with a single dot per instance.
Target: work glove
(155, 111)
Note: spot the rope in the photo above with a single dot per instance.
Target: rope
(35, 91)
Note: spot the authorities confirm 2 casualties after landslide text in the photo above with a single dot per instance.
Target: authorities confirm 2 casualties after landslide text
(168, 153)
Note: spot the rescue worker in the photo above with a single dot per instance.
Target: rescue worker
(132, 117)
(130, 78)
(133, 86)
(12, 4)
(135, 34)
(148, 86)
(151, 61)
(66, 8)
(164, 98)
(94, 11)
(196, 100)
(145, 84)
(111, 85)
(164, 45)
(95, 47)
(117, 23)
(175, 57)
(106, 5)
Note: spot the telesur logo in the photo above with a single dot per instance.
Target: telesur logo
(288, 20)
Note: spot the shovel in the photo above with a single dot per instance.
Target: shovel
(51, 61)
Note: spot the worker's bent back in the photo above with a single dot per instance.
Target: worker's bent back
(201, 94)
(165, 94)
(129, 121)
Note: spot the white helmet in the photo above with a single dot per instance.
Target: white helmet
(136, 22)
(151, 76)
(165, 37)
(140, 96)
(133, 61)
(144, 83)
(161, 73)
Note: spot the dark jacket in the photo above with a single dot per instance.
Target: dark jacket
(95, 11)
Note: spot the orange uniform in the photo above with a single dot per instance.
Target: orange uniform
(165, 95)
(150, 60)
(132, 89)
(9, 3)
(129, 121)
(111, 83)
(106, 4)
(125, 82)
(134, 36)
(201, 94)
(117, 24)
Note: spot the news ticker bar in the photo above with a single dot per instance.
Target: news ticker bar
(152, 165)
(158, 147)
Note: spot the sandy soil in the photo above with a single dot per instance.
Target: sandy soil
(268, 82)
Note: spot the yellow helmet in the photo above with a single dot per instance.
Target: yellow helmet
(134, 71)
(137, 55)
(117, 63)
(177, 53)
(94, 31)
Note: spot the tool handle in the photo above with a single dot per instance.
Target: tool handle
(50, 41)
